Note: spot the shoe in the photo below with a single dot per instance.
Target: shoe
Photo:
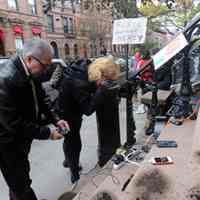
(75, 178)
(149, 131)
(130, 143)
(66, 165)
(140, 109)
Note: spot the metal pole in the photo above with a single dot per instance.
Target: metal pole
(130, 122)
(127, 69)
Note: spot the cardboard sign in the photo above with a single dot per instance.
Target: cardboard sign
(165, 54)
(129, 31)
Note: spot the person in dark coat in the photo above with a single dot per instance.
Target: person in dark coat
(77, 97)
(22, 100)
(105, 73)
(163, 76)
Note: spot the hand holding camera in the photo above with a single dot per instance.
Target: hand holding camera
(55, 135)
(63, 127)
(63, 130)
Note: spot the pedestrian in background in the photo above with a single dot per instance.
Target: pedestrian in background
(147, 75)
(136, 58)
(22, 101)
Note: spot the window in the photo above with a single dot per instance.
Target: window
(65, 25)
(75, 50)
(32, 7)
(19, 44)
(55, 49)
(71, 25)
(86, 5)
(12, 4)
(50, 25)
(67, 50)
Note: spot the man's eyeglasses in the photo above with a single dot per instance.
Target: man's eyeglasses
(45, 66)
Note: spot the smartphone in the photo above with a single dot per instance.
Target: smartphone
(162, 160)
(166, 143)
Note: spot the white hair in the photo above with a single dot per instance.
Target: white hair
(37, 48)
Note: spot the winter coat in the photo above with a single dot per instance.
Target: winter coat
(163, 77)
(18, 121)
(76, 95)
(147, 75)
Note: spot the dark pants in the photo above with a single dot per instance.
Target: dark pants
(72, 148)
(15, 168)
(107, 115)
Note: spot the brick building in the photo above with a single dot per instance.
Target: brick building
(78, 32)
(19, 20)
(63, 28)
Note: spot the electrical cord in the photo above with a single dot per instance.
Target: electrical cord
(132, 154)
(80, 194)
(88, 172)
(115, 180)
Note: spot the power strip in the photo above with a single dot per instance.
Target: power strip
(118, 161)
(118, 166)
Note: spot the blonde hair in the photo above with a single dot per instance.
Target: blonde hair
(103, 68)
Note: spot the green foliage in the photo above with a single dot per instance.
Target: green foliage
(149, 45)
(194, 11)
(124, 8)
(152, 10)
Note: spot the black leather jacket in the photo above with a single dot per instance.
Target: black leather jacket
(18, 120)
(76, 93)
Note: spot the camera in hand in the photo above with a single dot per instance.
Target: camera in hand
(63, 131)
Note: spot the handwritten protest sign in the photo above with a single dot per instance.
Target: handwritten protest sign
(129, 31)
(165, 54)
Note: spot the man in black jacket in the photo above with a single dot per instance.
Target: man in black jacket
(163, 76)
(78, 96)
(75, 99)
(21, 104)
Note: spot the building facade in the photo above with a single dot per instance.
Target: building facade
(19, 20)
(78, 32)
(61, 30)
(71, 31)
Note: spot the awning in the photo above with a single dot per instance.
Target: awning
(36, 31)
(17, 30)
(1, 35)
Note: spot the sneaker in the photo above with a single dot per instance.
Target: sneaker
(66, 165)
(140, 109)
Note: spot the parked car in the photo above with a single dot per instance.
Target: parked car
(3, 60)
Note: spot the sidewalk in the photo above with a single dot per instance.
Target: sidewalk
(90, 181)
(50, 179)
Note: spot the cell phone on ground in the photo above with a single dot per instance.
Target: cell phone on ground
(162, 160)
(166, 144)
